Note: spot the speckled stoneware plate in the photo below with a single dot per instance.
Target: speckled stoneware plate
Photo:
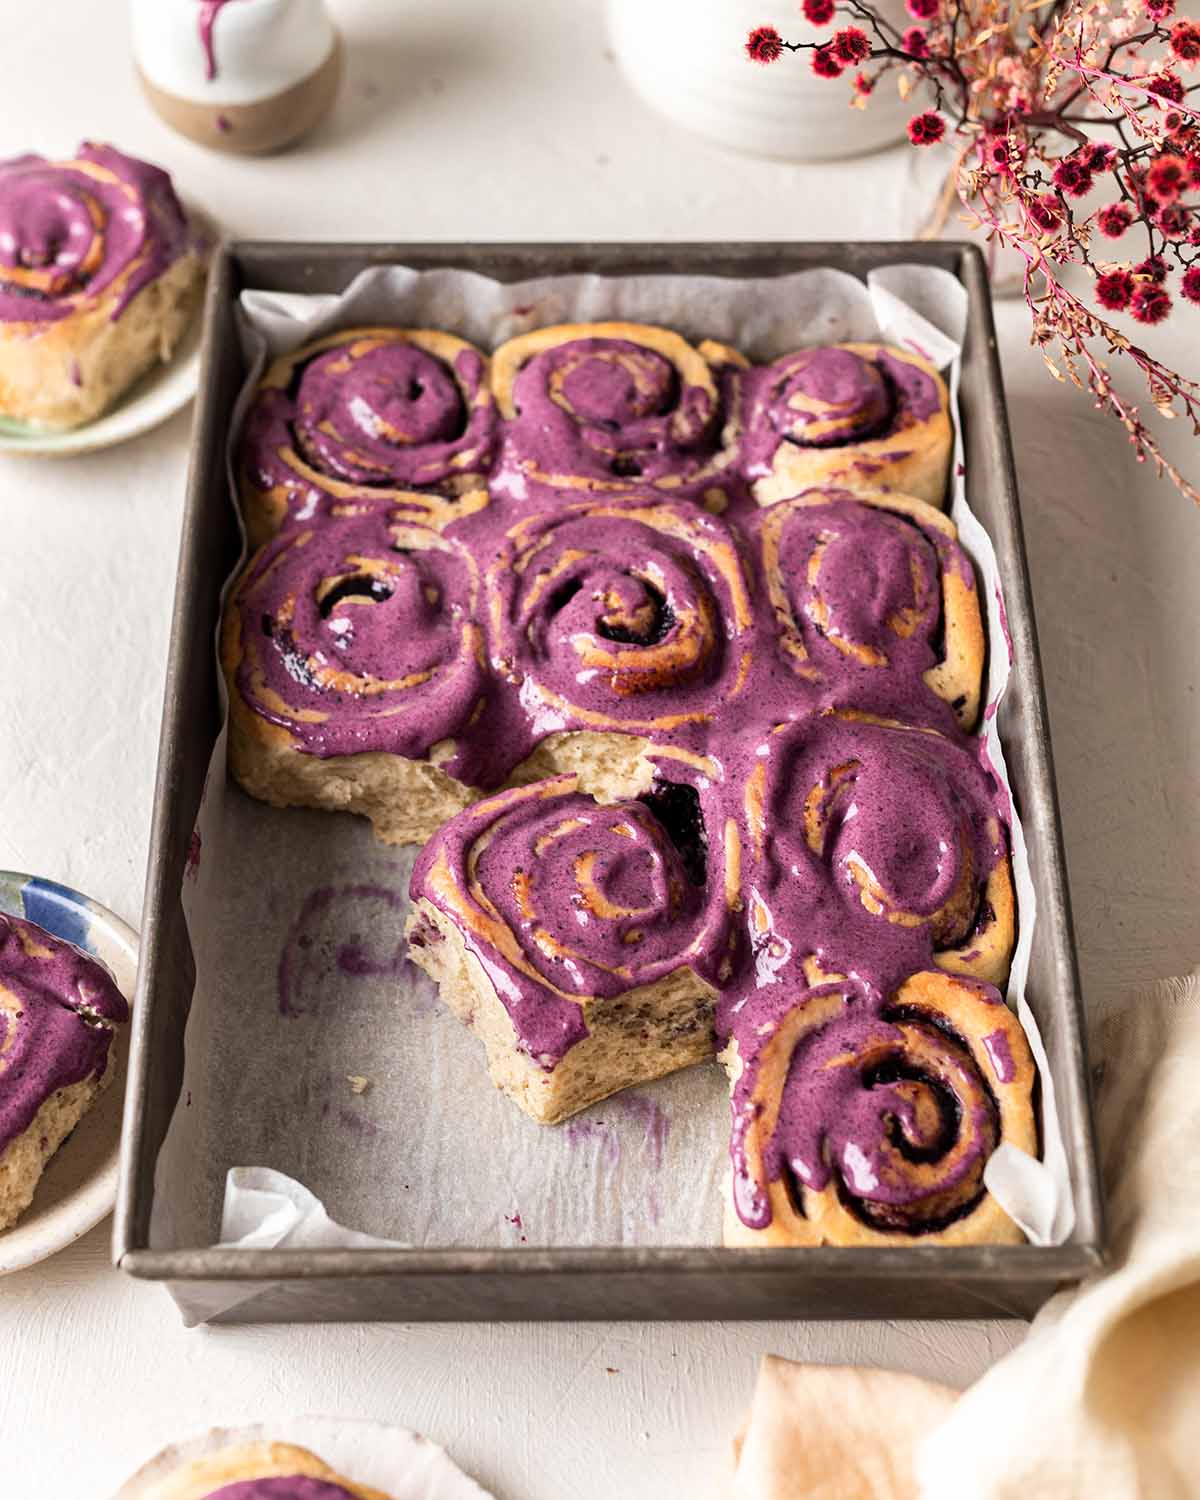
(159, 394)
(79, 1187)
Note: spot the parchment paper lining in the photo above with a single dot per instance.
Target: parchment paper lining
(316, 1051)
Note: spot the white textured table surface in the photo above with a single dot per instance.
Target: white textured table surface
(486, 121)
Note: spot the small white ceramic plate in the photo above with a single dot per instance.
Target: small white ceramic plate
(159, 394)
(79, 1187)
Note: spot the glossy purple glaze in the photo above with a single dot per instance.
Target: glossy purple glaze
(596, 897)
(622, 615)
(1001, 1056)
(860, 1105)
(57, 1007)
(375, 413)
(287, 1487)
(206, 22)
(359, 635)
(860, 591)
(860, 824)
(605, 409)
(71, 231)
(829, 397)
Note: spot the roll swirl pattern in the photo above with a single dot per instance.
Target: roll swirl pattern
(863, 1125)
(74, 234)
(58, 1008)
(855, 415)
(360, 634)
(873, 593)
(882, 852)
(403, 414)
(565, 901)
(627, 615)
(608, 406)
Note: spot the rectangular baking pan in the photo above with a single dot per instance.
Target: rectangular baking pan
(617, 1283)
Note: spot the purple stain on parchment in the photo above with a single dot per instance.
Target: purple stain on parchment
(358, 1124)
(655, 1122)
(517, 1223)
(313, 955)
(585, 1132)
(1004, 625)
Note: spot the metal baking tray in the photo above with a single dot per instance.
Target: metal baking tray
(573, 1283)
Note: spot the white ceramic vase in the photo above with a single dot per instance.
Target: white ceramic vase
(686, 58)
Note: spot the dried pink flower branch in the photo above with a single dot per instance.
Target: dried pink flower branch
(1050, 102)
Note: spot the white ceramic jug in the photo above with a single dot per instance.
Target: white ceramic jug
(687, 58)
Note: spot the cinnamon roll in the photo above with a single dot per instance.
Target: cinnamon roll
(403, 415)
(583, 943)
(257, 1471)
(862, 1125)
(853, 416)
(99, 276)
(58, 1012)
(601, 407)
(873, 592)
(356, 673)
(627, 617)
(882, 852)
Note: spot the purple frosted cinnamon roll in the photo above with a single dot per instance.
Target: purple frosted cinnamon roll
(99, 277)
(849, 416)
(401, 415)
(872, 593)
(862, 1125)
(881, 851)
(58, 1012)
(627, 618)
(355, 666)
(602, 407)
(254, 1471)
(584, 943)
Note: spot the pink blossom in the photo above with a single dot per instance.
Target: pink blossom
(927, 128)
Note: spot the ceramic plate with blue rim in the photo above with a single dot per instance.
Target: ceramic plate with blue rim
(79, 1186)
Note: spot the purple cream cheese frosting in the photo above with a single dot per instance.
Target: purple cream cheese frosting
(71, 231)
(857, 588)
(828, 397)
(282, 1487)
(605, 409)
(888, 1102)
(361, 635)
(598, 898)
(57, 1007)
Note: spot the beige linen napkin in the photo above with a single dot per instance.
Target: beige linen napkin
(1103, 1397)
